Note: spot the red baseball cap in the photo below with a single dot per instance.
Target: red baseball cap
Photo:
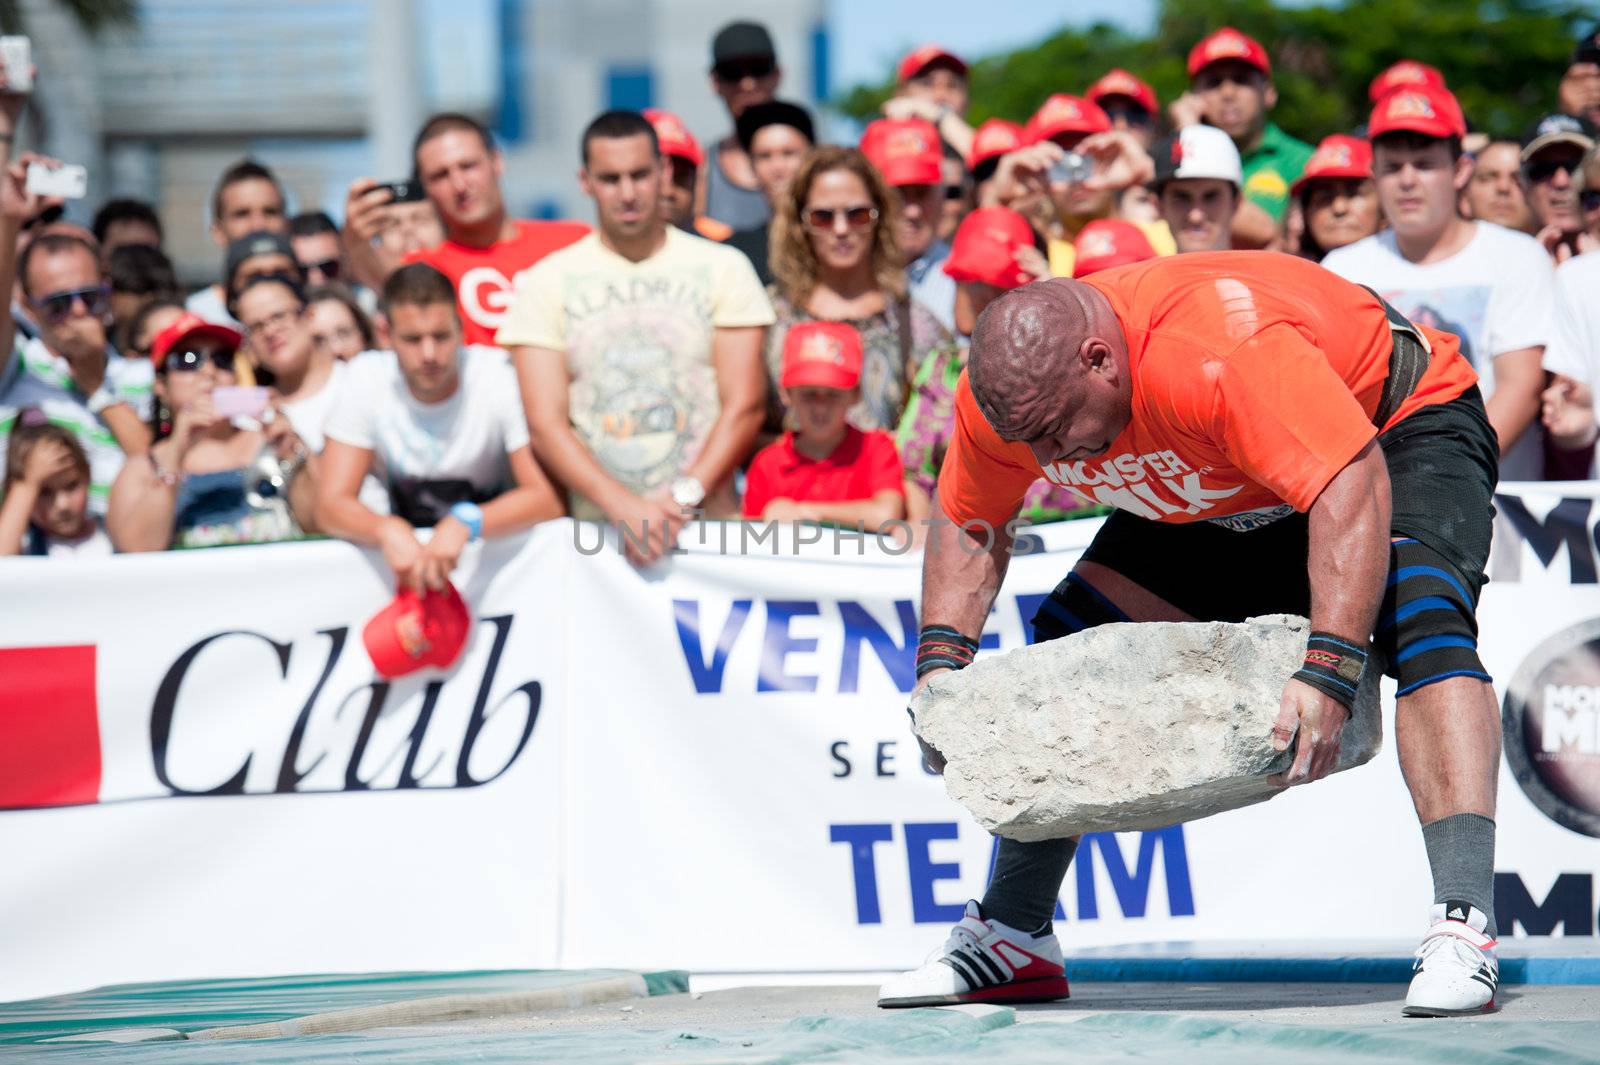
(919, 59)
(1228, 43)
(1108, 242)
(1406, 74)
(191, 325)
(821, 355)
(905, 151)
(416, 631)
(1118, 82)
(993, 139)
(1062, 113)
(673, 137)
(1338, 156)
(985, 248)
(1428, 111)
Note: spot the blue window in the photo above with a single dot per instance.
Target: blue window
(629, 88)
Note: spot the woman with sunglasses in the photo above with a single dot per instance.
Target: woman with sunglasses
(224, 469)
(836, 258)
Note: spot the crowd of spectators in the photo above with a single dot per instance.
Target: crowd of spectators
(769, 328)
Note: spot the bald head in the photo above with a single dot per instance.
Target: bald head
(1032, 350)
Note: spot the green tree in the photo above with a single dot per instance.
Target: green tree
(1502, 58)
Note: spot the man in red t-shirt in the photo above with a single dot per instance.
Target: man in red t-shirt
(484, 249)
(1274, 440)
(825, 469)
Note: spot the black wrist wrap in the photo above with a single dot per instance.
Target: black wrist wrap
(1333, 666)
(941, 647)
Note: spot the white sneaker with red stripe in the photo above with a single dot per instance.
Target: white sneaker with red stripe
(982, 961)
(1456, 968)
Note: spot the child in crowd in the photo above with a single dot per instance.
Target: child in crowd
(45, 510)
(825, 469)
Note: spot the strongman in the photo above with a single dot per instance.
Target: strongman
(1274, 440)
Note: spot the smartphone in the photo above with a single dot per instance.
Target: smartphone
(16, 56)
(69, 181)
(1073, 168)
(404, 191)
(236, 401)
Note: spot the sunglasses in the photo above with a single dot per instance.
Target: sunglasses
(1590, 199)
(1545, 169)
(739, 69)
(1132, 115)
(955, 192)
(329, 268)
(57, 307)
(188, 360)
(855, 217)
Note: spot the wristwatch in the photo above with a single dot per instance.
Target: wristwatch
(688, 492)
(470, 515)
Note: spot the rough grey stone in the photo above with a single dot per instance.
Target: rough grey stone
(1124, 727)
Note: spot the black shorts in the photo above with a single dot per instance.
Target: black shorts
(1443, 465)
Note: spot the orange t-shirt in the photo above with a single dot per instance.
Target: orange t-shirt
(1255, 378)
(486, 277)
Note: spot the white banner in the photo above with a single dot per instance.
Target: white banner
(704, 766)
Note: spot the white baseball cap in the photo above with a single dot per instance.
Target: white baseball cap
(1198, 152)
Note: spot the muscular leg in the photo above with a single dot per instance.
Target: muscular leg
(1448, 736)
(1027, 877)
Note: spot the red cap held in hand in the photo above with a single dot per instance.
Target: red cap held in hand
(905, 151)
(1228, 43)
(985, 248)
(416, 631)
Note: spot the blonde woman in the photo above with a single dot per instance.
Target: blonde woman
(835, 258)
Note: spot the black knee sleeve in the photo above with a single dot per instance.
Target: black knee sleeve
(1073, 607)
(1427, 628)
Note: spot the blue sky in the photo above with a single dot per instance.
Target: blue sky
(868, 36)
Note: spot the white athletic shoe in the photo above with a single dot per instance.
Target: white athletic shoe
(982, 961)
(1456, 969)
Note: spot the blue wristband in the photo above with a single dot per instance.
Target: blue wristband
(470, 515)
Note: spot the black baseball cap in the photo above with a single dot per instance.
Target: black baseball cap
(252, 244)
(742, 40)
(757, 117)
(1588, 49)
(1557, 129)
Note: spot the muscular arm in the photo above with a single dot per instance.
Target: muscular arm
(1518, 382)
(339, 510)
(959, 578)
(1349, 548)
(543, 377)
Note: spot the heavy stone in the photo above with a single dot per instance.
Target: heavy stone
(1129, 726)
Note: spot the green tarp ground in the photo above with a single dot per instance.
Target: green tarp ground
(193, 1004)
(909, 1036)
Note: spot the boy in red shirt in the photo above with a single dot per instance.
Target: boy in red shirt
(826, 469)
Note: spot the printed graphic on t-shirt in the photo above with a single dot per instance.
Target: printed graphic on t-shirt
(648, 388)
(1153, 485)
(1458, 309)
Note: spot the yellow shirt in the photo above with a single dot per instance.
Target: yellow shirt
(1064, 257)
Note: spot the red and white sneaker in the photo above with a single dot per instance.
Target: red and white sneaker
(1456, 968)
(982, 961)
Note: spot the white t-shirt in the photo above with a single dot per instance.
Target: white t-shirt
(638, 344)
(309, 416)
(1575, 345)
(33, 377)
(209, 304)
(1495, 294)
(94, 544)
(464, 438)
